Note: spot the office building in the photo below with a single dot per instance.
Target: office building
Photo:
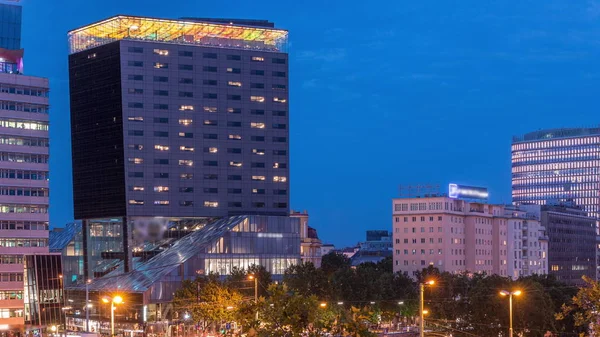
(571, 235)
(43, 293)
(557, 165)
(527, 242)
(23, 170)
(175, 122)
(451, 234)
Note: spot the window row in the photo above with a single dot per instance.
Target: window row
(189, 162)
(11, 294)
(10, 259)
(209, 69)
(11, 277)
(164, 175)
(209, 82)
(24, 141)
(24, 191)
(5, 88)
(185, 148)
(23, 124)
(207, 203)
(414, 218)
(19, 242)
(164, 134)
(211, 109)
(208, 122)
(206, 55)
(208, 190)
(23, 208)
(422, 240)
(25, 107)
(22, 174)
(24, 225)
(207, 95)
(24, 157)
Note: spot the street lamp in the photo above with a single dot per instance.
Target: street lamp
(87, 305)
(323, 305)
(510, 311)
(422, 304)
(253, 277)
(112, 300)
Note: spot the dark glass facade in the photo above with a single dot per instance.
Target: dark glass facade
(43, 291)
(97, 133)
(571, 244)
(10, 26)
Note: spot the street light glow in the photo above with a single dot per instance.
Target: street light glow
(430, 282)
(425, 312)
(517, 292)
(118, 299)
(323, 304)
(251, 277)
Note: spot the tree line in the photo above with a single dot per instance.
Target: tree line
(340, 299)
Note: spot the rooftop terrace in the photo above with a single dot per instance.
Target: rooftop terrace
(184, 31)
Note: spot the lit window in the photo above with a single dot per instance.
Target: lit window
(213, 150)
(211, 204)
(276, 165)
(234, 110)
(161, 147)
(210, 122)
(260, 99)
(187, 108)
(258, 59)
(279, 100)
(236, 137)
(235, 163)
(135, 119)
(159, 65)
(279, 179)
(92, 56)
(259, 178)
(234, 84)
(161, 188)
(259, 152)
(162, 52)
(210, 109)
(186, 176)
(136, 202)
(137, 188)
(257, 125)
(185, 122)
(136, 160)
(161, 202)
(185, 162)
(186, 148)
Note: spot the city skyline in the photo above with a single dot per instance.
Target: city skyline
(345, 168)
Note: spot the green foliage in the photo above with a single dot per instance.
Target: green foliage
(584, 309)
(238, 279)
(207, 300)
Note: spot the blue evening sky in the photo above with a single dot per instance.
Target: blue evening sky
(383, 93)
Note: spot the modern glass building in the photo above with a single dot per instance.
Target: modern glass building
(175, 123)
(557, 165)
(187, 249)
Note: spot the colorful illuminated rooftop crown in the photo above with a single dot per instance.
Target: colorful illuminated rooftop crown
(188, 32)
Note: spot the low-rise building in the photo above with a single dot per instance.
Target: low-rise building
(310, 244)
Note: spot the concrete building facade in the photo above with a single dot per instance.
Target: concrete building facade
(24, 170)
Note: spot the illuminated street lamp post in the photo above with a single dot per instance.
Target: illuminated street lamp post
(87, 305)
(252, 277)
(112, 300)
(421, 305)
(510, 310)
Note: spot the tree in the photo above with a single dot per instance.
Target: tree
(334, 261)
(207, 300)
(238, 279)
(306, 280)
(584, 308)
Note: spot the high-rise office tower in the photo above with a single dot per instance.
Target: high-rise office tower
(175, 120)
(23, 169)
(558, 165)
